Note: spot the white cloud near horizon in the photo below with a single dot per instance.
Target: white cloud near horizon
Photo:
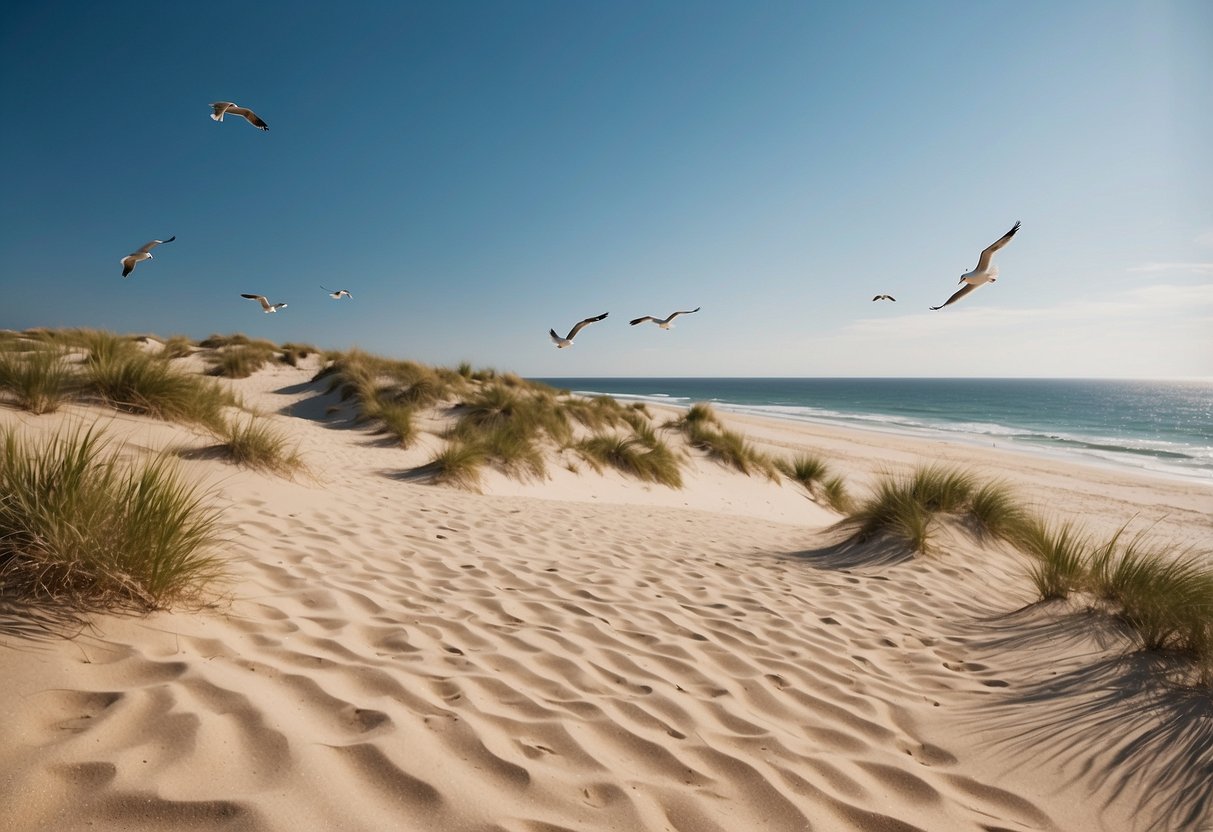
(1197, 268)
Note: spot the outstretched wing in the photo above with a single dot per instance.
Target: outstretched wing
(684, 312)
(155, 243)
(265, 304)
(960, 293)
(220, 107)
(641, 320)
(578, 327)
(555, 337)
(988, 252)
(128, 264)
(249, 116)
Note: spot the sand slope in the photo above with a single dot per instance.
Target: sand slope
(589, 654)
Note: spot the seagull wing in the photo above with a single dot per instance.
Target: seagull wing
(249, 116)
(128, 264)
(960, 293)
(641, 320)
(155, 243)
(577, 327)
(265, 304)
(684, 312)
(220, 107)
(555, 338)
(988, 252)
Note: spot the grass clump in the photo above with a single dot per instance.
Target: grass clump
(904, 507)
(459, 464)
(76, 523)
(38, 380)
(398, 421)
(239, 361)
(646, 458)
(1061, 552)
(813, 473)
(140, 383)
(177, 346)
(253, 443)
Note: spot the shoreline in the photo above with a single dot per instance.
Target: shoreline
(1117, 459)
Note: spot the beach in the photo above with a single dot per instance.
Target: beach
(584, 651)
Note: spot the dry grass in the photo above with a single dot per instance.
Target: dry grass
(38, 380)
(77, 524)
(254, 443)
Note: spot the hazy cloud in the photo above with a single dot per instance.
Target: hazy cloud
(1195, 268)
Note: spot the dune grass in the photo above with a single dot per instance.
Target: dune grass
(813, 473)
(459, 464)
(255, 444)
(1061, 552)
(644, 457)
(239, 360)
(139, 383)
(904, 507)
(178, 346)
(38, 380)
(729, 448)
(78, 524)
(398, 421)
(697, 414)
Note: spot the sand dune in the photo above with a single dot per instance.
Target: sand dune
(589, 653)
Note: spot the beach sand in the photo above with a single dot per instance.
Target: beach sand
(588, 652)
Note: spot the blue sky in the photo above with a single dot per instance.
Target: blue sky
(476, 173)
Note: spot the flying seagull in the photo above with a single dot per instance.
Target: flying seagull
(145, 253)
(986, 271)
(567, 341)
(885, 297)
(339, 294)
(265, 304)
(663, 323)
(222, 107)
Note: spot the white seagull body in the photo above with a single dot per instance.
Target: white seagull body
(145, 253)
(339, 294)
(567, 341)
(226, 107)
(266, 306)
(664, 323)
(986, 271)
(885, 297)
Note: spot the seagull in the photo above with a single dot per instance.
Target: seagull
(221, 107)
(885, 297)
(265, 304)
(664, 324)
(145, 253)
(986, 271)
(567, 341)
(339, 294)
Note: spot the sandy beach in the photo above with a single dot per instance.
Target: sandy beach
(588, 652)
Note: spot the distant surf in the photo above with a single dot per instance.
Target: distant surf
(1162, 426)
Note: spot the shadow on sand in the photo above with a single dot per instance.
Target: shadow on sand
(843, 551)
(1133, 704)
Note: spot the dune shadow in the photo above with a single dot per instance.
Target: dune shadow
(321, 406)
(852, 553)
(40, 619)
(426, 474)
(1134, 704)
(208, 452)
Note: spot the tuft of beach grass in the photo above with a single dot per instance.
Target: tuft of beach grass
(78, 524)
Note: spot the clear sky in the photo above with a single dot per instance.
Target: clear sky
(476, 173)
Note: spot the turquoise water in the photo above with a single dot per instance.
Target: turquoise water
(1163, 426)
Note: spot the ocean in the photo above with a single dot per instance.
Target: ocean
(1160, 426)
